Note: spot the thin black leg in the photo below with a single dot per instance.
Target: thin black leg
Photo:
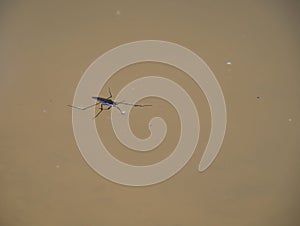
(110, 96)
(101, 109)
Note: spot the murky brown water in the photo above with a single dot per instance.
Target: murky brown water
(45, 48)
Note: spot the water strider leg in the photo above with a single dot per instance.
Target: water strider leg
(101, 109)
(110, 96)
(83, 108)
(122, 112)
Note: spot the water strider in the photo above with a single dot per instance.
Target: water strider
(109, 103)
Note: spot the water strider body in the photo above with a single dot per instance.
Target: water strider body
(109, 103)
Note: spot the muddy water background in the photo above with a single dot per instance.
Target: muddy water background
(45, 46)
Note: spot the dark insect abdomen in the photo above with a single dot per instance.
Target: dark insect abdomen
(108, 101)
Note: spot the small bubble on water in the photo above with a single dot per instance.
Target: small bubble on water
(123, 112)
(229, 63)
